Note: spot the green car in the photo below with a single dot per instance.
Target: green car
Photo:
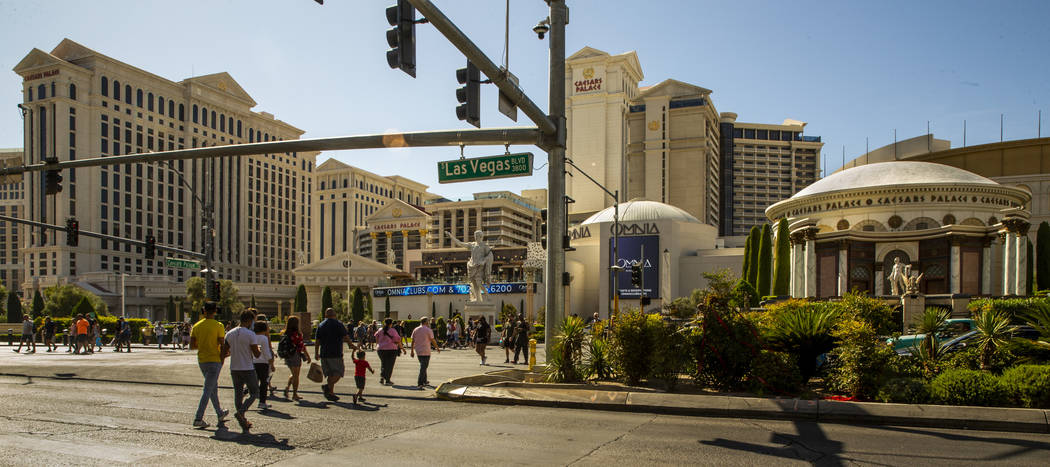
(952, 328)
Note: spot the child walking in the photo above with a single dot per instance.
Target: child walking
(360, 364)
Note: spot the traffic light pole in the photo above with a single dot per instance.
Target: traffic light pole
(557, 277)
(111, 238)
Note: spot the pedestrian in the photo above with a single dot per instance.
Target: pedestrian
(506, 336)
(481, 337)
(207, 338)
(28, 335)
(185, 335)
(264, 366)
(71, 335)
(521, 341)
(125, 336)
(96, 331)
(388, 343)
(328, 349)
(360, 365)
(49, 334)
(243, 348)
(158, 330)
(83, 332)
(400, 328)
(361, 334)
(173, 335)
(372, 328)
(422, 340)
(293, 359)
(453, 333)
(118, 335)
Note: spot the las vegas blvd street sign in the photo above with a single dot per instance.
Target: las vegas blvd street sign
(485, 168)
(182, 263)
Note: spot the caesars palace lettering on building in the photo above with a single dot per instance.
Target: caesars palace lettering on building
(587, 85)
(44, 74)
(407, 225)
(903, 199)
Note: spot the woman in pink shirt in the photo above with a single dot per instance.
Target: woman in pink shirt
(388, 346)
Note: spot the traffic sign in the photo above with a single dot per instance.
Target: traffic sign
(485, 168)
(182, 263)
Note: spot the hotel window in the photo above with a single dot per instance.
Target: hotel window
(138, 98)
(171, 108)
(105, 87)
(160, 104)
(212, 119)
(222, 122)
(41, 92)
(204, 116)
(149, 102)
(193, 113)
(116, 90)
(127, 94)
(238, 128)
(72, 91)
(182, 113)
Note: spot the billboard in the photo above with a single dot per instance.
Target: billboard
(447, 289)
(630, 250)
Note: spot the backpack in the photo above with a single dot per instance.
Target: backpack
(284, 347)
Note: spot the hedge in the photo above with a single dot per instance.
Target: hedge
(968, 387)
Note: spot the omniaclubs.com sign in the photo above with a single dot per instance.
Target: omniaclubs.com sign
(447, 289)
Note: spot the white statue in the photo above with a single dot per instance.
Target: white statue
(480, 265)
(897, 281)
(391, 255)
(911, 280)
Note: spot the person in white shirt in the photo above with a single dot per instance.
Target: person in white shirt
(264, 362)
(242, 346)
(158, 330)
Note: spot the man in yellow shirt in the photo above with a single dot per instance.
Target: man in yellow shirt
(207, 337)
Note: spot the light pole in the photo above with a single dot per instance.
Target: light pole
(614, 263)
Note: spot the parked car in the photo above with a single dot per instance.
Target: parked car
(969, 338)
(954, 327)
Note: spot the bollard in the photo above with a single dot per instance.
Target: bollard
(532, 354)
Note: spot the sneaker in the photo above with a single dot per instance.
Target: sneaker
(263, 406)
(200, 424)
(224, 416)
(483, 360)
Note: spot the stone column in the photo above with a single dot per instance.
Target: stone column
(1021, 244)
(798, 264)
(878, 280)
(843, 267)
(279, 304)
(811, 262)
(791, 278)
(375, 245)
(986, 267)
(955, 265)
(404, 249)
(1009, 264)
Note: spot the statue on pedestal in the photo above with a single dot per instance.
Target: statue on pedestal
(911, 280)
(479, 266)
(897, 282)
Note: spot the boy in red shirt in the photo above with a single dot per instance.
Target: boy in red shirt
(360, 364)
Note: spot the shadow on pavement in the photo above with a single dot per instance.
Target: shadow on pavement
(1022, 445)
(313, 405)
(262, 440)
(362, 406)
(276, 414)
(810, 444)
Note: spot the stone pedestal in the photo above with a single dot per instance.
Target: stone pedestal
(913, 306)
(487, 309)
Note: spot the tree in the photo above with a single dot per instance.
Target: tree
(752, 267)
(38, 305)
(229, 299)
(765, 262)
(782, 272)
(62, 300)
(1042, 255)
(326, 299)
(300, 300)
(14, 309)
(195, 293)
(358, 308)
(83, 308)
(368, 304)
(171, 310)
(745, 269)
(386, 307)
(3, 296)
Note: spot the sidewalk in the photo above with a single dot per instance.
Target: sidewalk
(500, 387)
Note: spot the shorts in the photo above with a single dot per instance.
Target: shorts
(332, 366)
(296, 359)
(360, 381)
(82, 338)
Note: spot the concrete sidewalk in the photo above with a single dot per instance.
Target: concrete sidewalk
(500, 388)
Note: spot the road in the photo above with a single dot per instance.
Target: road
(73, 413)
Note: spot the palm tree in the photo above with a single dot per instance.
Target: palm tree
(993, 331)
(931, 322)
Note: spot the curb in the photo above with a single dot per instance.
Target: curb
(850, 413)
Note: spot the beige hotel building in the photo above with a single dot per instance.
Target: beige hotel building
(11, 204)
(81, 103)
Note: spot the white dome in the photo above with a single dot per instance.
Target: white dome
(640, 210)
(893, 173)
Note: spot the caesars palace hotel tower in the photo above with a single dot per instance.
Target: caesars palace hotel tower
(658, 142)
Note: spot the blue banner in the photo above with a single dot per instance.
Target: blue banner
(447, 289)
(630, 251)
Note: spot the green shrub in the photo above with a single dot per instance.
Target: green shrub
(723, 345)
(1028, 385)
(670, 355)
(598, 365)
(904, 391)
(565, 354)
(749, 296)
(774, 373)
(861, 361)
(631, 346)
(1015, 308)
(870, 310)
(968, 387)
(969, 358)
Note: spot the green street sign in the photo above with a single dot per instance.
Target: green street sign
(485, 168)
(182, 263)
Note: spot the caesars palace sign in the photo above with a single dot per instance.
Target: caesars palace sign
(898, 200)
(589, 82)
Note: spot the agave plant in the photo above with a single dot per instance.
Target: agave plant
(1039, 318)
(565, 353)
(993, 331)
(598, 364)
(805, 333)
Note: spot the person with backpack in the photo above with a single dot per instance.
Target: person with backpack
(481, 338)
(388, 343)
(292, 350)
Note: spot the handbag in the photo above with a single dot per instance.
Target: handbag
(315, 374)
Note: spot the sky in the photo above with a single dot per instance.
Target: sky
(854, 70)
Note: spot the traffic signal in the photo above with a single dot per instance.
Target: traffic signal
(469, 96)
(52, 182)
(151, 246)
(636, 275)
(72, 232)
(402, 37)
(543, 228)
(214, 290)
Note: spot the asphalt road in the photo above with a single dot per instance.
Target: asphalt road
(73, 413)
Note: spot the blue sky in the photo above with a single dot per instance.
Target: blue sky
(850, 69)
